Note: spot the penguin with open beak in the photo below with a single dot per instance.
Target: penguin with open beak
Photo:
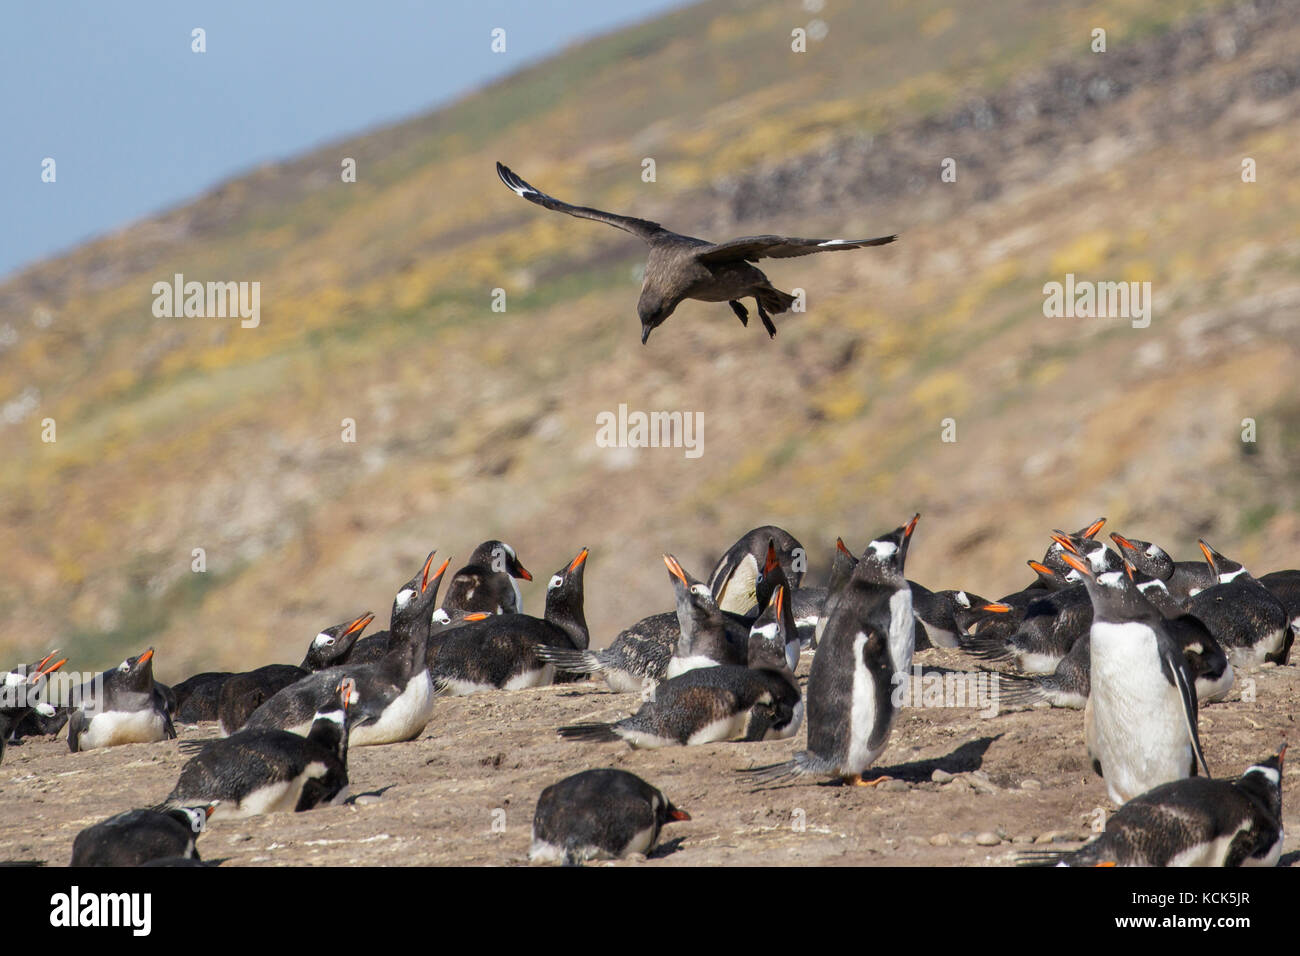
(1140, 721)
(121, 706)
(863, 656)
(1192, 822)
(22, 693)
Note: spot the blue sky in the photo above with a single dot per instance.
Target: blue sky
(136, 122)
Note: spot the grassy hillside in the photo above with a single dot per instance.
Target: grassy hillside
(176, 434)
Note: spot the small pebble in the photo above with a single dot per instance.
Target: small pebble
(987, 839)
(1023, 838)
(941, 776)
(366, 800)
(941, 839)
(967, 838)
(895, 786)
(1031, 785)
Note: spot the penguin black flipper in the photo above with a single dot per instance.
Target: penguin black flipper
(76, 724)
(1174, 665)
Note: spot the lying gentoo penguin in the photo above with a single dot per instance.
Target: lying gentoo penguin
(1141, 715)
(487, 583)
(396, 692)
(242, 694)
(735, 579)
(757, 701)
(263, 771)
(635, 660)
(121, 706)
(1182, 578)
(1242, 614)
(135, 837)
(864, 653)
(1192, 822)
(599, 815)
(1285, 586)
(682, 267)
(22, 693)
(197, 696)
(409, 604)
(502, 652)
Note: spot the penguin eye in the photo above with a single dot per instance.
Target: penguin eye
(404, 597)
(441, 616)
(702, 590)
(124, 666)
(555, 582)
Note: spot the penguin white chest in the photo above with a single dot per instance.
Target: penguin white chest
(114, 727)
(862, 713)
(1136, 729)
(404, 717)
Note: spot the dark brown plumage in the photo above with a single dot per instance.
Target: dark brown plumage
(683, 267)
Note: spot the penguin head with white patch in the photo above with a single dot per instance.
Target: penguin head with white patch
(334, 720)
(773, 638)
(664, 810)
(1225, 569)
(1115, 597)
(1100, 558)
(697, 611)
(884, 559)
(1263, 781)
(1150, 559)
(564, 599)
(1052, 558)
(416, 598)
(333, 645)
(770, 577)
(134, 673)
(195, 818)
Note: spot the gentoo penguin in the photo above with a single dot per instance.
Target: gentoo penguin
(683, 267)
(1140, 719)
(1242, 614)
(396, 692)
(1285, 586)
(120, 706)
(22, 692)
(1182, 578)
(501, 652)
(864, 653)
(1053, 557)
(487, 583)
(707, 637)
(635, 660)
(735, 579)
(263, 771)
(403, 614)
(197, 696)
(759, 700)
(135, 837)
(842, 564)
(599, 815)
(242, 694)
(1192, 822)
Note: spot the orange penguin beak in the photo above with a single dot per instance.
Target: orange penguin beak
(578, 561)
(675, 569)
(359, 624)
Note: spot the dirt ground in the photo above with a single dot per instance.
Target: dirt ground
(464, 793)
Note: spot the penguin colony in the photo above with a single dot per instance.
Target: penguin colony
(1134, 639)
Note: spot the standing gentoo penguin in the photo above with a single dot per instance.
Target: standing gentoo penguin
(735, 579)
(501, 652)
(1140, 719)
(262, 771)
(1242, 614)
(242, 694)
(396, 692)
(599, 815)
(135, 837)
(1192, 822)
(121, 706)
(682, 267)
(863, 654)
(757, 701)
(487, 583)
